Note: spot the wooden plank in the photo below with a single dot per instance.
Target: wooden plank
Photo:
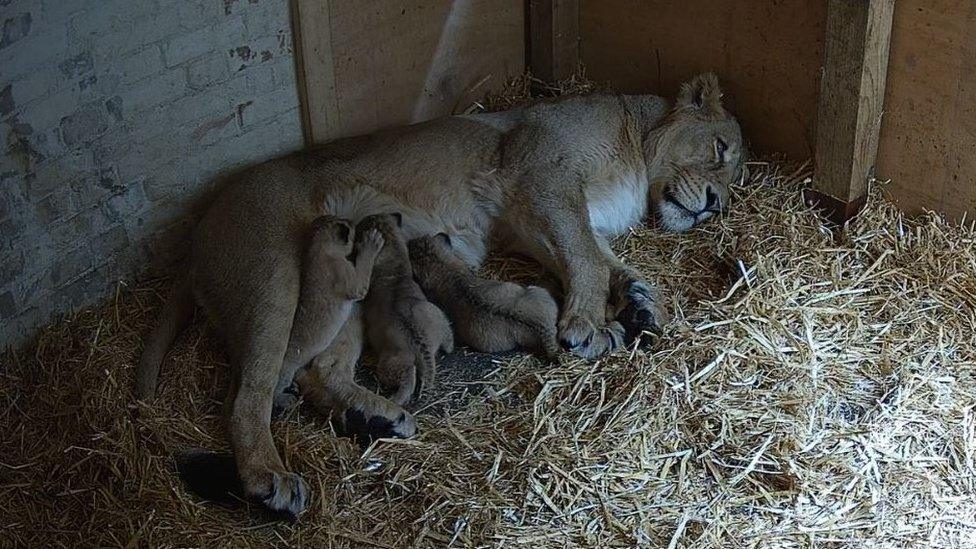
(554, 33)
(372, 64)
(928, 139)
(851, 98)
(767, 55)
(312, 28)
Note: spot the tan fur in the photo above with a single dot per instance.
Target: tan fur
(405, 331)
(488, 315)
(329, 385)
(330, 284)
(553, 181)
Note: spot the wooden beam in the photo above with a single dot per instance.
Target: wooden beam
(851, 98)
(315, 67)
(553, 38)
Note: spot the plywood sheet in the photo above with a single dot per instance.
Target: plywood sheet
(928, 135)
(767, 55)
(392, 63)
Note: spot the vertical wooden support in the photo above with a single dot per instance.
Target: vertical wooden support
(312, 29)
(851, 98)
(553, 38)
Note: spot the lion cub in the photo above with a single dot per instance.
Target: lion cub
(404, 330)
(331, 283)
(489, 316)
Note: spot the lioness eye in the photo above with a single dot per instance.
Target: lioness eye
(720, 148)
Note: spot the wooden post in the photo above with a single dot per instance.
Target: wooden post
(553, 39)
(315, 68)
(851, 98)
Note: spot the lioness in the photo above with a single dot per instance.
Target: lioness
(552, 180)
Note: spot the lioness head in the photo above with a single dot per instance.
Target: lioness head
(693, 156)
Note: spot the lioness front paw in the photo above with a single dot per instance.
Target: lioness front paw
(288, 495)
(644, 312)
(582, 339)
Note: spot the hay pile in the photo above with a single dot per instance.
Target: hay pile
(813, 389)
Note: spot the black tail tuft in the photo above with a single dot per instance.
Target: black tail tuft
(211, 475)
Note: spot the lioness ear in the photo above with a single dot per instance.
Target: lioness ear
(443, 237)
(703, 94)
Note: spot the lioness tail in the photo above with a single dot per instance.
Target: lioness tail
(176, 312)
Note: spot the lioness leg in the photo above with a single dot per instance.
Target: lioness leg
(261, 471)
(329, 385)
(552, 224)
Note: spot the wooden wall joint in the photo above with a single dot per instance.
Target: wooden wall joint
(851, 98)
(553, 38)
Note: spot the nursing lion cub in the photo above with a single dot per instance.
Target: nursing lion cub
(553, 181)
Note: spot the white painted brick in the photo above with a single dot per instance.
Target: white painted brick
(269, 106)
(47, 113)
(194, 107)
(155, 91)
(204, 41)
(111, 16)
(59, 10)
(163, 85)
(34, 52)
(207, 71)
(33, 86)
(137, 65)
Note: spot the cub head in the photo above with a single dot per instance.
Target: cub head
(693, 157)
(433, 252)
(332, 235)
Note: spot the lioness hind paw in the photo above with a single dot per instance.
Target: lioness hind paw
(355, 424)
(288, 496)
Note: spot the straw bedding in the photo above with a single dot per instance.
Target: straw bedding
(815, 388)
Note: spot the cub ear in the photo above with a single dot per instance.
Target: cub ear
(443, 237)
(702, 93)
(343, 230)
(321, 222)
(398, 217)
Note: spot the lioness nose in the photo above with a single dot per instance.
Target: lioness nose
(711, 199)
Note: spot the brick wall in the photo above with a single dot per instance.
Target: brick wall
(116, 116)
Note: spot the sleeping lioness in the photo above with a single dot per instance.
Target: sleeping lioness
(553, 181)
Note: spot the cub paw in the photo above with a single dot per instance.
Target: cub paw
(644, 312)
(285, 400)
(288, 495)
(371, 242)
(364, 427)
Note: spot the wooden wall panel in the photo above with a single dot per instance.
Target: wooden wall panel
(767, 55)
(928, 134)
(371, 64)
